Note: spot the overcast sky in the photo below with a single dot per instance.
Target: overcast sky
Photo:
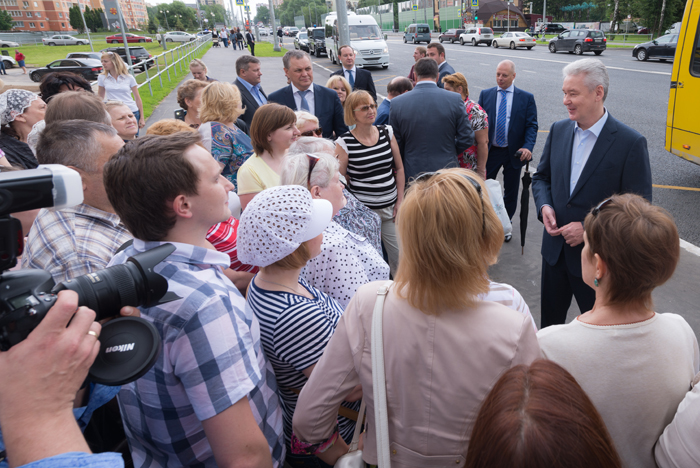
(253, 6)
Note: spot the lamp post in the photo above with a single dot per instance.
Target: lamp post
(165, 14)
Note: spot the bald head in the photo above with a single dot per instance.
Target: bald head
(505, 74)
(398, 86)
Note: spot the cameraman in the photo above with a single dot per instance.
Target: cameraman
(40, 377)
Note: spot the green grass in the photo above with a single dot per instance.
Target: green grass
(265, 49)
(176, 75)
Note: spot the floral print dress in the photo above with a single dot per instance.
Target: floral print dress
(480, 121)
(229, 146)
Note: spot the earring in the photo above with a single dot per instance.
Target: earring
(595, 281)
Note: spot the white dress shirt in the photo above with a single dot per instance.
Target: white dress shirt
(309, 98)
(584, 141)
(346, 73)
(509, 105)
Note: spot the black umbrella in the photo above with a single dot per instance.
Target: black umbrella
(524, 206)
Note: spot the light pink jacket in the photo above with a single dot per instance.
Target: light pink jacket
(438, 371)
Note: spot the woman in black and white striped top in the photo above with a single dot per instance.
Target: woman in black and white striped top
(370, 160)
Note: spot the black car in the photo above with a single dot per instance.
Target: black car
(138, 55)
(578, 41)
(301, 41)
(87, 68)
(554, 28)
(317, 41)
(451, 35)
(662, 48)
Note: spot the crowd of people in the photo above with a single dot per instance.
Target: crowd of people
(290, 212)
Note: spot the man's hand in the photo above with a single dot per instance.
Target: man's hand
(525, 154)
(573, 233)
(549, 219)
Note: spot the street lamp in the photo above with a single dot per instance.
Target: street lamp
(165, 14)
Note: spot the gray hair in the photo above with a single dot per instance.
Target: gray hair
(296, 170)
(294, 54)
(303, 117)
(312, 145)
(595, 73)
(72, 143)
(508, 62)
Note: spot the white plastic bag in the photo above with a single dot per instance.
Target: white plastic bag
(496, 196)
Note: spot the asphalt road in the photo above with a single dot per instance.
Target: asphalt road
(638, 97)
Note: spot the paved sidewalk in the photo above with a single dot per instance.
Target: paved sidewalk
(681, 295)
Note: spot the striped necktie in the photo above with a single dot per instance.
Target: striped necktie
(501, 139)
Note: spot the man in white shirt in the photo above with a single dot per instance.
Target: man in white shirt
(357, 77)
(249, 72)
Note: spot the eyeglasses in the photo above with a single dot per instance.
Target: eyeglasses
(366, 108)
(475, 184)
(312, 163)
(318, 131)
(600, 206)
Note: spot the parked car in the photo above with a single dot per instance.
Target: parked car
(87, 68)
(674, 29)
(554, 28)
(8, 61)
(263, 32)
(301, 41)
(317, 41)
(578, 41)
(139, 56)
(85, 55)
(8, 44)
(417, 33)
(179, 36)
(662, 48)
(643, 30)
(117, 38)
(63, 39)
(450, 35)
(514, 40)
(476, 36)
(291, 31)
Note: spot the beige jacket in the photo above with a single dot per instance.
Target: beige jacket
(438, 371)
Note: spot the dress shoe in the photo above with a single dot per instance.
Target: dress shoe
(508, 237)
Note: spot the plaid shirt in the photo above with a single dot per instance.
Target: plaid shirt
(73, 241)
(211, 359)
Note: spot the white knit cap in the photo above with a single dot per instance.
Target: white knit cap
(277, 221)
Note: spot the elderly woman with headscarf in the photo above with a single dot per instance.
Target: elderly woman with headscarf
(20, 112)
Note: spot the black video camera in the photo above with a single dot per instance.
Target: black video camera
(129, 346)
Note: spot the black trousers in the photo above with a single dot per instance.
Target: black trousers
(499, 157)
(252, 48)
(558, 286)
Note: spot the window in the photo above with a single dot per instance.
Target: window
(41, 25)
(58, 5)
(38, 14)
(63, 25)
(26, 4)
(514, 23)
(31, 25)
(36, 4)
(29, 14)
(60, 15)
(15, 13)
(19, 24)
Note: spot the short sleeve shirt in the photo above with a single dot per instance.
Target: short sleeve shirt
(255, 176)
(119, 89)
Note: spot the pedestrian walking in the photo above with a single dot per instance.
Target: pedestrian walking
(239, 38)
(251, 41)
(19, 57)
(280, 34)
(224, 37)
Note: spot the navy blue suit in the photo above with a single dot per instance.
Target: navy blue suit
(328, 109)
(363, 80)
(445, 70)
(522, 133)
(383, 113)
(619, 163)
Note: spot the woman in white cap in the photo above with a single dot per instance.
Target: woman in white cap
(281, 230)
(20, 111)
(347, 261)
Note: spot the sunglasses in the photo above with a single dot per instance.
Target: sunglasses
(318, 131)
(312, 164)
(366, 108)
(600, 206)
(475, 184)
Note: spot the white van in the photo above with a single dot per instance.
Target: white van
(365, 37)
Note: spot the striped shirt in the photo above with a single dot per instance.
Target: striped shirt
(224, 236)
(295, 331)
(508, 296)
(370, 170)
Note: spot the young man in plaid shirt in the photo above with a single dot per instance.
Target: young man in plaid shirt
(211, 398)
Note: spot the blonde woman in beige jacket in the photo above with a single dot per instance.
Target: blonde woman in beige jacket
(445, 342)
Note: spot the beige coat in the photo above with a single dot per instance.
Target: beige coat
(438, 371)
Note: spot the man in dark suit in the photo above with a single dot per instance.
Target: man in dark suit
(303, 94)
(357, 77)
(251, 41)
(437, 52)
(430, 124)
(248, 83)
(512, 128)
(396, 87)
(586, 159)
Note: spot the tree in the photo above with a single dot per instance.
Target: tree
(6, 22)
(152, 26)
(263, 15)
(179, 26)
(75, 20)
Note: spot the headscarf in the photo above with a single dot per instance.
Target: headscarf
(14, 102)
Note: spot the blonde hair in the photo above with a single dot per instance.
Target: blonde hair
(119, 65)
(168, 127)
(303, 117)
(355, 99)
(199, 63)
(221, 102)
(450, 235)
(109, 105)
(188, 90)
(457, 80)
(337, 78)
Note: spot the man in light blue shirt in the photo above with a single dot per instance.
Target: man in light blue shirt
(248, 83)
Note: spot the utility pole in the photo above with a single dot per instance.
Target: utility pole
(343, 28)
(273, 28)
(544, 20)
(87, 30)
(126, 44)
(508, 20)
(199, 16)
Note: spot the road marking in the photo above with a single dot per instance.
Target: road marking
(674, 187)
(694, 249)
(321, 66)
(528, 71)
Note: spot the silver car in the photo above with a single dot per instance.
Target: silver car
(8, 44)
(63, 39)
(179, 36)
(514, 40)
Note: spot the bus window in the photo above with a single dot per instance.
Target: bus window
(695, 61)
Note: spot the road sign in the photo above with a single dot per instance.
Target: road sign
(415, 7)
(475, 3)
(247, 8)
(240, 2)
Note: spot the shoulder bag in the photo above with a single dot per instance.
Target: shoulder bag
(381, 417)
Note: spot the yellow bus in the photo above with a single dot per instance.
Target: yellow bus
(683, 119)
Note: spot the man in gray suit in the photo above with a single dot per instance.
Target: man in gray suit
(430, 124)
(437, 52)
(248, 83)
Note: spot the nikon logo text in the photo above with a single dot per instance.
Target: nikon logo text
(120, 348)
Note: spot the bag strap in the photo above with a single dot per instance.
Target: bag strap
(381, 417)
(358, 428)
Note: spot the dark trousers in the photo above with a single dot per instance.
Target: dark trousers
(499, 157)
(558, 285)
(252, 48)
(2, 67)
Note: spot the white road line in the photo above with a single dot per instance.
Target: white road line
(529, 71)
(694, 249)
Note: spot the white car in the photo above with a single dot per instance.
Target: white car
(8, 44)
(179, 36)
(8, 61)
(514, 40)
(476, 35)
(63, 39)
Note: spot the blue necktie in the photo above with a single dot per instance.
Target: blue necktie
(304, 102)
(257, 95)
(501, 139)
(351, 79)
